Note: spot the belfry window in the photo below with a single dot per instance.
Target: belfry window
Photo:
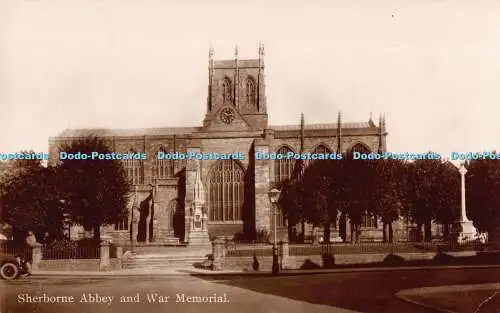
(227, 91)
(251, 91)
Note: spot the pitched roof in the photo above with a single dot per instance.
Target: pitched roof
(322, 126)
(169, 131)
(103, 132)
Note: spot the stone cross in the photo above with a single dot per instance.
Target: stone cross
(463, 214)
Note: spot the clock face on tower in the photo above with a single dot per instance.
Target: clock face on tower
(227, 115)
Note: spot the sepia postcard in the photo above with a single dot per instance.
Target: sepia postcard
(249, 156)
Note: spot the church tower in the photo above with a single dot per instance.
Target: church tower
(236, 93)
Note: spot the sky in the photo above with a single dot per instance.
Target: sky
(433, 67)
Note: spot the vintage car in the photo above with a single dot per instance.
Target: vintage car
(13, 266)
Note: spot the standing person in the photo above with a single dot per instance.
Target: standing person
(31, 239)
(46, 239)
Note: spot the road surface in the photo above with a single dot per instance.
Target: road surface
(333, 292)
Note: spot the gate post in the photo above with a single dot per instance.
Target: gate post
(36, 255)
(104, 262)
(284, 254)
(218, 254)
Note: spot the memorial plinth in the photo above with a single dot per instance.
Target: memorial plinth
(494, 236)
(198, 219)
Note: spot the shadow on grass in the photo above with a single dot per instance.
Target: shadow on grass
(363, 291)
(391, 260)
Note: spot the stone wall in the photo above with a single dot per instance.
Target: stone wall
(74, 265)
(295, 262)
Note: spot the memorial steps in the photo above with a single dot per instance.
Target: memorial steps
(164, 256)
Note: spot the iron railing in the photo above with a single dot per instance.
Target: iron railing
(263, 249)
(71, 252)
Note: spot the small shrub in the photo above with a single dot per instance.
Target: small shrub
(393, 260)
(309, 265)
(328, 260)
(262, 236)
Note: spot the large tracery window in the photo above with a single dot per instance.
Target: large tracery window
(226, 191)
(283, 168)
(227, 91)
(134, 170)
(162, 168)
(283, 171)
(251, 91)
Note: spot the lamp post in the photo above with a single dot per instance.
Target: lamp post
(132, 219)
(274, 195)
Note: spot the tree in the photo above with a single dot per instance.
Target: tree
(433, 193)
(483, 193)
(96, 191)
(389, 193)
(291, 201)
(315, 196)
(354, 191)
(447, 200)
(26, 164)
(29, 199)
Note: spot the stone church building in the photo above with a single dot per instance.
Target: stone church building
(236, 191)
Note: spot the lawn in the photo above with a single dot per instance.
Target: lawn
(459, 301)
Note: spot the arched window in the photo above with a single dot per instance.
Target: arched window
(171, 210)
(321, 149)
(251, 91)
(225, 191)
(360, 147)
(122, 223)
(369, 220)
(162, 168)
(227, 91)
(283, 168)
(134, 170)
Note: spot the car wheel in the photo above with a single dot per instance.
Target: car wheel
(26, 271)
(9, 271)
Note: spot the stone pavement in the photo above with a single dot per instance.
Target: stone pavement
(193, 271)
